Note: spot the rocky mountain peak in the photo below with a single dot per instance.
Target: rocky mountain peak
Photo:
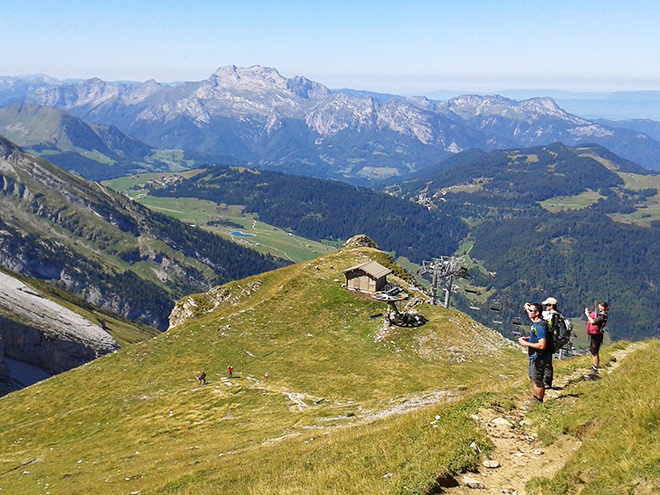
(259, 79)
(548, 107)
(468, 106)
(249, 78)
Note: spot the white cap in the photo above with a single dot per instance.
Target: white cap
(550, 300)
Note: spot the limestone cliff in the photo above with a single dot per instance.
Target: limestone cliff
(37, 331)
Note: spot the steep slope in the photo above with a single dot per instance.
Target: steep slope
(99, 244)
(554, 221)
(298, 126)
(95, 151)
(648, 127)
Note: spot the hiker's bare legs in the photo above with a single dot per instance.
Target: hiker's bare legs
(538, 390)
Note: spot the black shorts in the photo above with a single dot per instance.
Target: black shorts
(540, 368)
(595, 341)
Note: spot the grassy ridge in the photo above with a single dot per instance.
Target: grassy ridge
(348, 408)
(327, 418)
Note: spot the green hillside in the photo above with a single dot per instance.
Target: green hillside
(576, 223)
(323, 209)
(222, 219)
(341, 393)
(349, 405)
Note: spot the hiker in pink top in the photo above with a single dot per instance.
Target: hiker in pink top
(595, 329)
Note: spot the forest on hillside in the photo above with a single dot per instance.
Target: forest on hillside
(575, 255)
(321, 209)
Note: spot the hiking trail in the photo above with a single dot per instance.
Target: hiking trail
(518, 455)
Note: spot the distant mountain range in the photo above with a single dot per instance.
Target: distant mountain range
(299, 126)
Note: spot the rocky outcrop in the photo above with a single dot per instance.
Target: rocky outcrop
(39, 332)
(191, 307)
(360, 240)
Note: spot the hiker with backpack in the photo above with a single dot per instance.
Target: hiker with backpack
(595, 329)
(539, 347)
(559, 327)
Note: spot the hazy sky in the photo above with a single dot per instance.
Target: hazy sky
(411, 47)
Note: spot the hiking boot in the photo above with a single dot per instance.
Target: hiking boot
(531, 405)
(594, 370)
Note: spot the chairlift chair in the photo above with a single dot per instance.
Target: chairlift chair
(476, 308)
(496, 306)
(517, 321)
(497, 320)
(471, 289)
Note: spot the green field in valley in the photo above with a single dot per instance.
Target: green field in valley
(561, 203)
(647, 211)
(228, 221)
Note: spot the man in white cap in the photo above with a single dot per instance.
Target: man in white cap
(555, 321)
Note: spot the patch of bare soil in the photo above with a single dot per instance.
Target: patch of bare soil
(518, 456)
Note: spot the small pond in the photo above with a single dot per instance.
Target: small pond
(241, 234)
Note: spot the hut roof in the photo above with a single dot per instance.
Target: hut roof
(372, 268)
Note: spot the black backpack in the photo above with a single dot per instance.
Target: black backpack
(561, 330)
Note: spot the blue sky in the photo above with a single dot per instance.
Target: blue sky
(412, 47)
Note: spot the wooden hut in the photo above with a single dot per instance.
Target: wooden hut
(367, 277)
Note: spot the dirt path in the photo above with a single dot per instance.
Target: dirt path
(518, 456)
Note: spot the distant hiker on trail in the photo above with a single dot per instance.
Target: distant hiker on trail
(230, 371)
(595, 330)
(266, 376)
(539, 346)
(201, 378)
